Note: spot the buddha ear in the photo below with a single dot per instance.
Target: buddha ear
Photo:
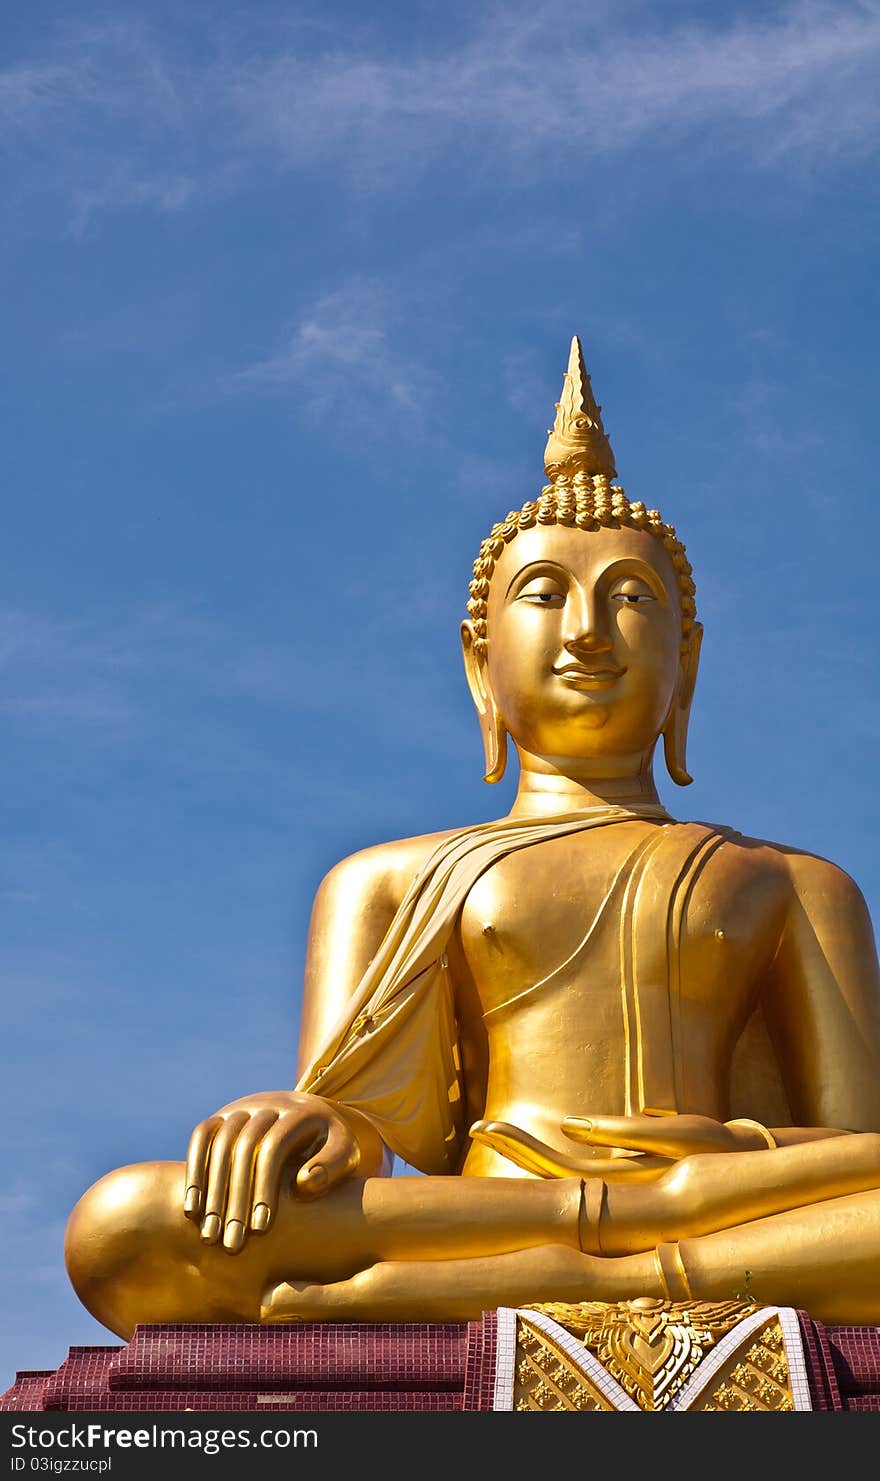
(676, 728)
(492, 727)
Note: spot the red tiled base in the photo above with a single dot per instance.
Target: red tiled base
(392, 1355)
(240, 1401)
(27, 1391)
(355, 1366)
(479, 1377)
(854, 1355)
(390, 1367)
(83, 1372)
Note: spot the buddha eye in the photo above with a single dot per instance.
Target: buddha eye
(542, 592)
(633, 593)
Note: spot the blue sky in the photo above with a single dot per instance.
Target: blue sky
(288, 291)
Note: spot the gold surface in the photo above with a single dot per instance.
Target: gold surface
(578, 442)
(651, 1348)
(756, 1380)
(547, 1380)
(636, 1057)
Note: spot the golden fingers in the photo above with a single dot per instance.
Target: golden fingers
(544, 1161)
(664, 1136)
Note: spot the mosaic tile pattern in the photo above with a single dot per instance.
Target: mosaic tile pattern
(310, 1368)
(83, 1372)
(598, 1379)
(241, 1401)
(26, 1392)
(843, 1365)
(761, 1370)
(819, 1365)
(479, 1380)
(396, 1355)
(757, 1364)
(349, 1367)
(855, 1355)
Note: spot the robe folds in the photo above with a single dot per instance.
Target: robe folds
(394, 1053)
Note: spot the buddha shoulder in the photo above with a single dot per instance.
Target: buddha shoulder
(823, 892)
(378, 877)
(805, 887)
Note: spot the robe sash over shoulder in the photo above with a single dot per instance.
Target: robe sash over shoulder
(394, 1054)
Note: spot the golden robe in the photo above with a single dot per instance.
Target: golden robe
(394, 1054)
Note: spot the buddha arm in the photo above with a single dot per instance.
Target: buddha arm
(822, 1001)
(353, 909)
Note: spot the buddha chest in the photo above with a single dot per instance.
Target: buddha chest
(623, 957)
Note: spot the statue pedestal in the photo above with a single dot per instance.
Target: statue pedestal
(654, 1359)
(314, 1367)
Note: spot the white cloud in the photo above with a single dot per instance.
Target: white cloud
(566, 84)
(118, 118)
(345, 349)
(119, 192)
(98, 117)
(552, 77)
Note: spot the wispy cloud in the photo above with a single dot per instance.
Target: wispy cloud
(119, 191)
(117, 117)
(547, 77)
(347, 348)
(104, 117)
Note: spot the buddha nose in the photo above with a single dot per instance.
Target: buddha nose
(588, 629)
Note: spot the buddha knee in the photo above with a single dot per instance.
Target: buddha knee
(121, 1216)
(121, 1239)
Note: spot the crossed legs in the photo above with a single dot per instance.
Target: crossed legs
(803, 1223)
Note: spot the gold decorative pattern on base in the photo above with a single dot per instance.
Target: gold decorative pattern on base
(757, 1380)
(546, 1379)
(652, 1348)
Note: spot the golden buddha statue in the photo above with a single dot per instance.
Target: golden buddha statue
(634, 1057)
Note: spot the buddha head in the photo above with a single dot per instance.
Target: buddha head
(582, 642)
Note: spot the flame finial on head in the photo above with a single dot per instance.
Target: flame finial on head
(578, 443)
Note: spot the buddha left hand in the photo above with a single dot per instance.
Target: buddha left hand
(237, 1157)
(642, 1146)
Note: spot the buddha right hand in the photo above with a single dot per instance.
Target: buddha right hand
(236, 1159)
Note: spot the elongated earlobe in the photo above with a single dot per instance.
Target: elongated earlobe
(494, 735)
(675, 731)
(675, 745)
(492, 727)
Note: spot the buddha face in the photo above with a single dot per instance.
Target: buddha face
(584, 641)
